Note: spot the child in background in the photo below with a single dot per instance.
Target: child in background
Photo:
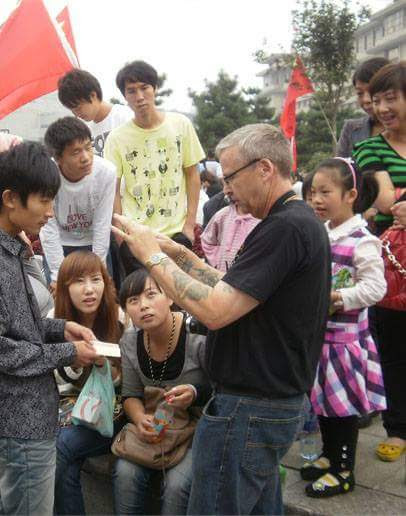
(349, 379)
(225, 234)
(307, 188)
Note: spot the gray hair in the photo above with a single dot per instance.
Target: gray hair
(258, 141)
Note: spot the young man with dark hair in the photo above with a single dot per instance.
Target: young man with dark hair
(31, 347)
(84, 204)
(81, 92)
(157, 153)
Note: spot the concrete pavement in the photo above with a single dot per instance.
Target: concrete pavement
(380, 489)
(380, 486)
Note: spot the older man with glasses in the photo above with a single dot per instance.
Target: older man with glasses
(267, 317)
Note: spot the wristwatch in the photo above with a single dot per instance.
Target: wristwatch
(156, 259)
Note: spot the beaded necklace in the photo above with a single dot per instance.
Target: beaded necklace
(154, 381)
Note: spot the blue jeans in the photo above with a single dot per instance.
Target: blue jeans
(237, 448)
(27, 474)
(132, 490)
(74, 445)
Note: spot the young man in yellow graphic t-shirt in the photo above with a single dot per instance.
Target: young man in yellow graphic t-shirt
(157, 153)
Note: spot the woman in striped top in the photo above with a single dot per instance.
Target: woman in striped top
(386, 154)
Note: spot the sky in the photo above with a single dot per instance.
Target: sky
(189, 40)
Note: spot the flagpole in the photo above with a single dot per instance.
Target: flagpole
(334, 136)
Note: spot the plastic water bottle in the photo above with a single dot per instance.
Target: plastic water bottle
(163, 417)
(309, 440)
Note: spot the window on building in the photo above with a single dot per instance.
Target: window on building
(370, 39)
(379, 33)
(393, 54)
(393, 22)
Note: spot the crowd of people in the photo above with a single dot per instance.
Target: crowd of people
(233, 301)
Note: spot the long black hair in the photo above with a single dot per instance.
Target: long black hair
(346, 173)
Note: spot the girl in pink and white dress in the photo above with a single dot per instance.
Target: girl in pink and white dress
(348, 381)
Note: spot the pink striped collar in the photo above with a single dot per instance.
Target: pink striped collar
(345, 228)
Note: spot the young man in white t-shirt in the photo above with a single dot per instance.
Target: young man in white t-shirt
(83, 206)
(80, 91)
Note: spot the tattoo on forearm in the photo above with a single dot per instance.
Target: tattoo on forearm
(181, 280)
(187, 287)
(196, 291)
(207, 277)
(187, 266)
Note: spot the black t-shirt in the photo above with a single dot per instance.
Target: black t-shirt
(285, 264)
(175, 361)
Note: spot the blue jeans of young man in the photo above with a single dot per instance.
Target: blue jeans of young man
(27, 475)
(237, 448)
(74, 445)
(132, 487)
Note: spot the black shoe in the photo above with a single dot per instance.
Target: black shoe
(318, 490)
(312, 472)
(365, 421)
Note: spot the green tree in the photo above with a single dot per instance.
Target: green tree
(313, 138)
(223, 107)
(324, 38)
(162, 93)
(115, 100)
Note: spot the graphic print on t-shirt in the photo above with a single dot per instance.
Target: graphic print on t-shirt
(155, 188)
(79, 220)
(98, 143)
(155, 191)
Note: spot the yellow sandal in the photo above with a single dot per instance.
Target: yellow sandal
(389, 452)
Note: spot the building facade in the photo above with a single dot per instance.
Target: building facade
(384, 35)
(275, 80)
(32, 120)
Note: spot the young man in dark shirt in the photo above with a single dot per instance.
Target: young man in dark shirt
(30, 347)
(267, 315)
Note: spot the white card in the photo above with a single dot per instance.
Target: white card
(106, 349)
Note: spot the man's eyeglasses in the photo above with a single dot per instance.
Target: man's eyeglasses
(227, 178)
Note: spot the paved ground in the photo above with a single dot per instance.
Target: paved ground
(380, 490)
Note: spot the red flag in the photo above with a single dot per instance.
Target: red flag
(64, 19)
(299, 85)
(34, 54)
